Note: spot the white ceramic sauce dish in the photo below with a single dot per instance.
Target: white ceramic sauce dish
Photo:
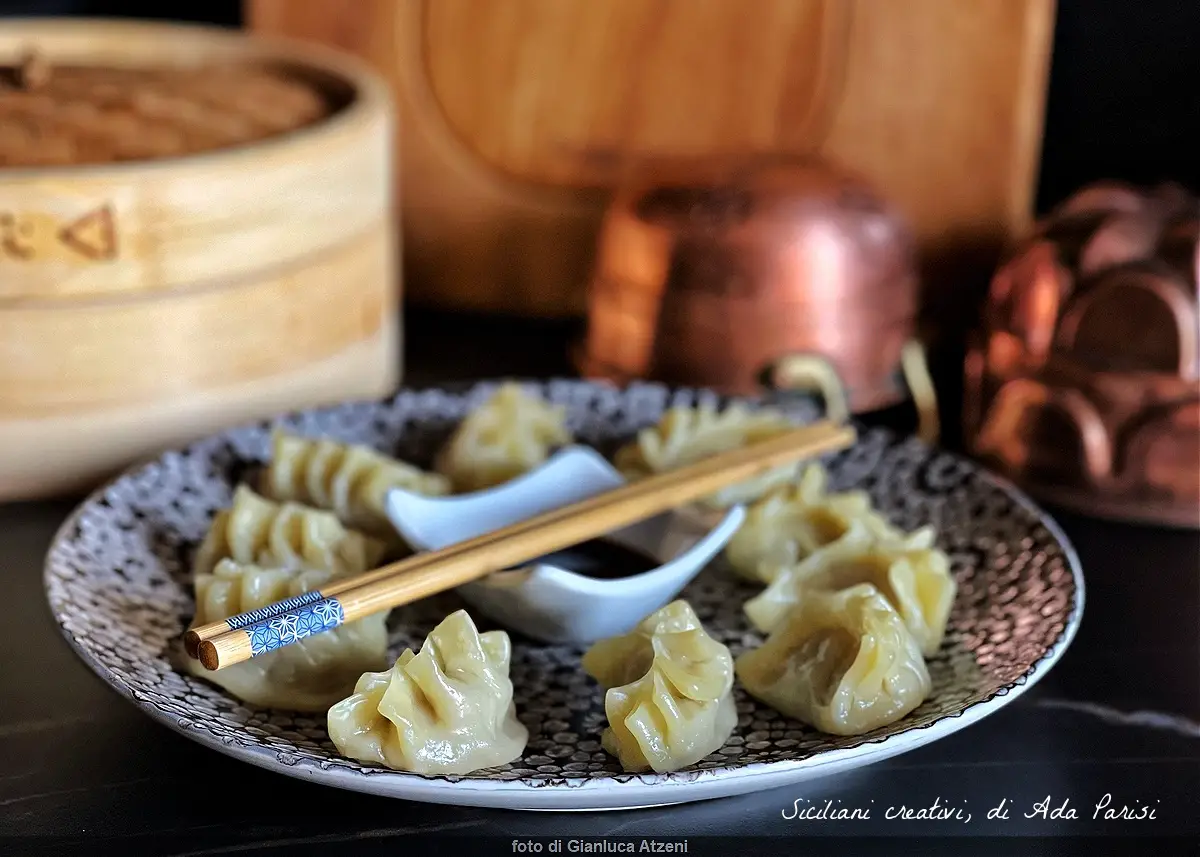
(548, 602)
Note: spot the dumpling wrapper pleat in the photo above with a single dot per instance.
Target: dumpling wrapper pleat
(669, 698)
(910, 572)
(792, 522)
(843, 662)
(447, 709)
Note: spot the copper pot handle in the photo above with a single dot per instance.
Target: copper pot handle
(914, 366)
(813, 373)
(809, 373)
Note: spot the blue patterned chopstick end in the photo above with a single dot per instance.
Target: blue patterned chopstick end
(253, 617)
(281, 629)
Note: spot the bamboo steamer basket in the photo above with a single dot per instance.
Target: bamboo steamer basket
(156, 301)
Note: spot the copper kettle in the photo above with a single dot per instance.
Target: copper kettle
(733, 274)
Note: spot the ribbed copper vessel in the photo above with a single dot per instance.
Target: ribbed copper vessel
(708, 274)
(1085, 383)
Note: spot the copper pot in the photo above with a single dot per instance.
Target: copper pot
(719, 274)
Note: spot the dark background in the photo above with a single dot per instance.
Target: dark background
(1123, 101)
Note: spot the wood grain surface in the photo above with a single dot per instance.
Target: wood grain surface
(517, 119)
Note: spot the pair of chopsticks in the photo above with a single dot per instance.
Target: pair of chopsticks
(241, 637)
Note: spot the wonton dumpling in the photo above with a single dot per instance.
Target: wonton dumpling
(256, 531)
(308, 675)
(686, 435)
(350, 481)
(910, 572)
(669, 698)
(793, 521)
(509, 434)
(843, 662)
(447, 709)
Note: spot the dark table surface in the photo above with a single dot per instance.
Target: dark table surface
(83, 772)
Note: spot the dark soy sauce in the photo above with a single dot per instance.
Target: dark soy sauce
(602, 558)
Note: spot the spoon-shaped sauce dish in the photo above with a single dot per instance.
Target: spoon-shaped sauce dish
(595, 590)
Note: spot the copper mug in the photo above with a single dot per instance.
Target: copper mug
(735, 274)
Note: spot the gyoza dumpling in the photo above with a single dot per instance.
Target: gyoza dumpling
(511, 433)
(910, 572)
(350, 481)
(669, 698)
(843, 662)
(686, 435)
(793, 521)
(308, 675)
(256, 531)
(446, 710)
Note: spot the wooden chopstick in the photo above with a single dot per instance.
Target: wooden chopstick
(195, 636)
(242, 637)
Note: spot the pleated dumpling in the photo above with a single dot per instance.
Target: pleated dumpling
(842, 662)
(350, 481)
(686, 435)
(510, 434)
(793, 521)
(447, 709)
(257, 531)
(912, 574)
(308, 675)
(669, 691)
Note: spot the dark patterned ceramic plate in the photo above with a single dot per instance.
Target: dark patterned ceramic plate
(117, 581)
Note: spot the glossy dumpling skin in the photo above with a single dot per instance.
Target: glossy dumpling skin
(447, 709)
(510, 434)
(686, 435)
(912, 574)
(308, 675)
(350, 481)
(842, 662)
(669, 691)
(793, 521)
(257, 531)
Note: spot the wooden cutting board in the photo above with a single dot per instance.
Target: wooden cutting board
(517, 118)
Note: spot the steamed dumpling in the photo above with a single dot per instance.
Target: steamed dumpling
(256, 531)
(912, 574)
(793, 521)
(510, 434)
(350, 481)
(447, 709)
(308, 675)
(686, 435)
(669, 698)
(843, 662)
